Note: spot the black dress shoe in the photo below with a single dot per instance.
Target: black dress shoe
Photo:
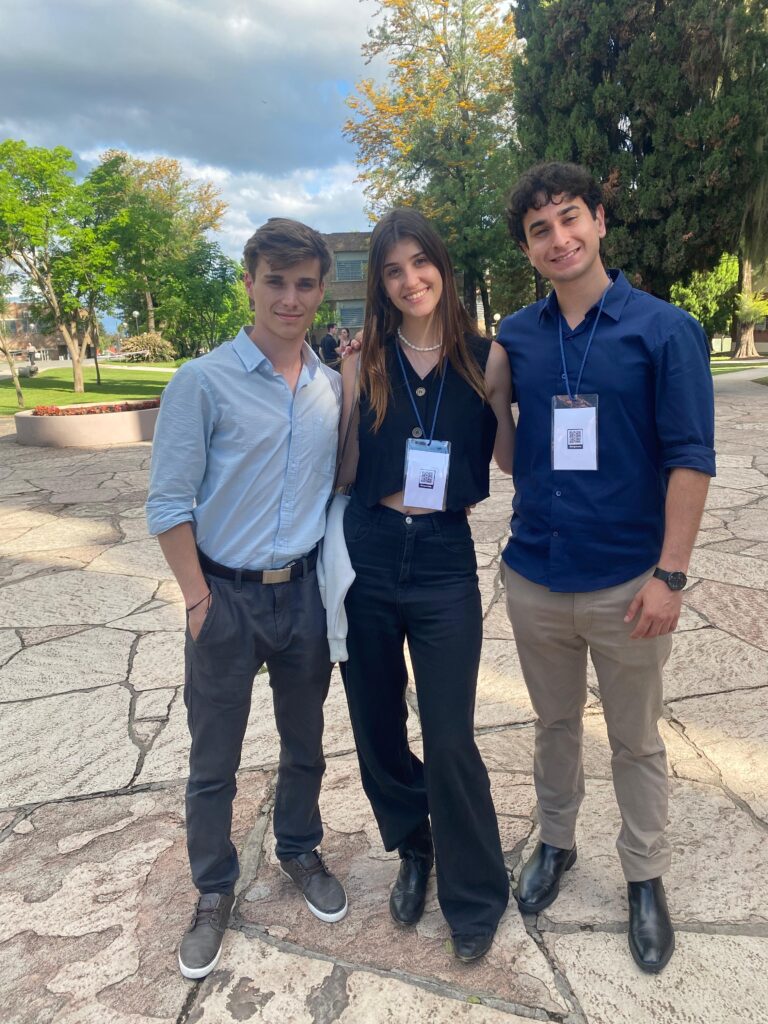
(406, 901)
(539, 881)
(651, 935)
(472, 947)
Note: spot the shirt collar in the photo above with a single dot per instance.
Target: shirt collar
(614, 304)
(253, 358)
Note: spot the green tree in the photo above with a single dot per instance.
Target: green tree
(164, 216)
(52, 233)
(203, 299)
(5, 342)
(326, 313)
(436, 135)
(665, 103)
(710, 295)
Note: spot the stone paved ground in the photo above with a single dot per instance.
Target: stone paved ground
(94, 890)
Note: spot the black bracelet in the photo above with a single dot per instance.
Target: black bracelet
(199, 602)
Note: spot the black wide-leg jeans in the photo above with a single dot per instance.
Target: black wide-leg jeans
(284, 626)
(416, 579)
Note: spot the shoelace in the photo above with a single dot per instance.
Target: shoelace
(317, 867)
(204, 915)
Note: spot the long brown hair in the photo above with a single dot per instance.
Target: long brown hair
(382, 318)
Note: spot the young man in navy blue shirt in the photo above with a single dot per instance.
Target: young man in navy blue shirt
(613, 459)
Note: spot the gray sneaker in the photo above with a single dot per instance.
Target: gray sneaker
(200, 947)
(323, 893)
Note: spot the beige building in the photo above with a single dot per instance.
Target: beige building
(346, 284)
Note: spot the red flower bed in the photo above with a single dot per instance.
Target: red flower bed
(83, 410)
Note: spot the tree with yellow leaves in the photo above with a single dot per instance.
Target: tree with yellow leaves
(438, 134)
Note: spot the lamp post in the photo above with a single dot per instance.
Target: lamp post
(135, 315)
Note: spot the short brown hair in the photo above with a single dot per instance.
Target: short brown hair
(283, 243)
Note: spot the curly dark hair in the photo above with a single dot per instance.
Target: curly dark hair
(541, 183)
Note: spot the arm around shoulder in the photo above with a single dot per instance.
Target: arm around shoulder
(498, 382)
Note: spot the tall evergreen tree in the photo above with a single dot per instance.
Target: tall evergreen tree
(664, 100)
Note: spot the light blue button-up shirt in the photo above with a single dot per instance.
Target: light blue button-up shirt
(246, 461)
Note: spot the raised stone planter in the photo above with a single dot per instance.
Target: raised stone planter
(96, 430)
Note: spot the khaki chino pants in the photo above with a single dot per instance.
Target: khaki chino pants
(553, 633)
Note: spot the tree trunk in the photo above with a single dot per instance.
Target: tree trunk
(71, 341)
(486, 307)
(540, 285)
(470, 293)
(746, 349)
(14, 372)
(150, 310)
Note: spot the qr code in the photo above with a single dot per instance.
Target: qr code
(575, 437)
(427, 479)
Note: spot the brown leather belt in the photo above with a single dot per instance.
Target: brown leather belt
(292, 571)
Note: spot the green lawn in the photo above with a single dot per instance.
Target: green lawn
(170, 365)
(731, 369)
(54, 387)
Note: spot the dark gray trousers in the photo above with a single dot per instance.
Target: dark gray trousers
(248, 625)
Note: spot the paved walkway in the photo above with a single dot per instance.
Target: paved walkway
(94, 890)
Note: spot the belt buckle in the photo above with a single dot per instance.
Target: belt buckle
(277, 575)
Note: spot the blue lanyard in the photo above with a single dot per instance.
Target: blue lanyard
(586, 350)
(413, 400)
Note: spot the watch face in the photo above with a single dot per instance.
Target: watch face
(676, 580)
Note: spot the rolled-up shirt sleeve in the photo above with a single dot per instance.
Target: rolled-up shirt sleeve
(685, 413)
(179, 450)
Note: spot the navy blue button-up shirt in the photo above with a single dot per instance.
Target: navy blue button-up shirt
(574, 531)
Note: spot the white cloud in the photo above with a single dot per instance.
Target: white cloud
(250, 95)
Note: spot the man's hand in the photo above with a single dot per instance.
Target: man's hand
(659, 609)
(196, 617)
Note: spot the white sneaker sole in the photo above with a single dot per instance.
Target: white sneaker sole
(196, 973)
(322, 915)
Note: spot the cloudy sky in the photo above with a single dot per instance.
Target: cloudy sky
(249, 95)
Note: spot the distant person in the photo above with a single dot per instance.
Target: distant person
(31, 353)
(613, 459)
(329, 347)
(242, 468)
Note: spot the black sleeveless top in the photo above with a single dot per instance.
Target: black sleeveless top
(463, 418)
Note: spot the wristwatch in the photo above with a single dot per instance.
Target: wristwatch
(674, 580)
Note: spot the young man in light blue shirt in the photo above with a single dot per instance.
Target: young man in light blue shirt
(242, 468)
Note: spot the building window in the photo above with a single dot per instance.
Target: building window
(351, 266)
(350, 314)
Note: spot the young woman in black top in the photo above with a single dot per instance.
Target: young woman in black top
(434, 406)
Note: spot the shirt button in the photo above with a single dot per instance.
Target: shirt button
(409, 520)
(421, 392)
(555, 533)
(558, 494)
(417, 431)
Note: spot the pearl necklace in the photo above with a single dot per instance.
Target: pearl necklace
(418, 348)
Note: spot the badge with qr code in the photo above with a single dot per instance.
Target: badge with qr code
(574, 432)
(426, 473)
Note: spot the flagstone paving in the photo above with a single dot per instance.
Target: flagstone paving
(94, 887)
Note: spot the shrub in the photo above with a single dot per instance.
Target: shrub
(157, 348)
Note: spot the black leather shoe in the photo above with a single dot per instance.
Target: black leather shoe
(540, 878)
(406, 901)
(651, 935)
(472, 947)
